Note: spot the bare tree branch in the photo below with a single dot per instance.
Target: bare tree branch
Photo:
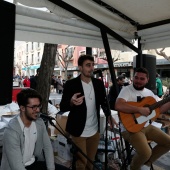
(101, 53)
(162, 53)
(65, 57)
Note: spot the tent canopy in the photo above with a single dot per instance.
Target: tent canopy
(79, 22)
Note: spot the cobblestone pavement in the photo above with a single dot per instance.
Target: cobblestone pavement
(163, 163)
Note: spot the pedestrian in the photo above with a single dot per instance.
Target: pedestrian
(63, 82)
(26, 144)
(112, 93)
(83, 96)
(159, 87)
(20, 81)
(26, 82)
(126, 80)
(135, 99)
(52, 83)
(34, 79)
(59, 85)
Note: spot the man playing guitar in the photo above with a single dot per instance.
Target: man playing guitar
(138, 105)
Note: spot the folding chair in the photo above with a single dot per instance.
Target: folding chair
(129, 155)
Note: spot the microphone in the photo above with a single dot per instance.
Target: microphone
(44, 116)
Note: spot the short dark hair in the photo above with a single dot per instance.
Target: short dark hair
(157, 75)
(143, 70)
(83, 58)
(25, 94)
(38, 70)
(120, 78)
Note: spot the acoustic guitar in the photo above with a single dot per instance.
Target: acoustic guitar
(135, 122)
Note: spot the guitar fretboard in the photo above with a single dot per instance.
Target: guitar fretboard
(158, 104)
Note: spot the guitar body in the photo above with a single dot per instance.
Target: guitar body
(129, 120)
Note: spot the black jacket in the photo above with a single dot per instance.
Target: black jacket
(77, 115)
(112, 96)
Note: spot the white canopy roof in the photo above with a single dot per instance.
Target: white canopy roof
(128, 20)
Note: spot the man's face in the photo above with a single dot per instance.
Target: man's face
(87, 68)
(140, 80)
(32, 109)
(121, 82)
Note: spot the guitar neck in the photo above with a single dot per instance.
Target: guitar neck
(158, 104)
(163, 119)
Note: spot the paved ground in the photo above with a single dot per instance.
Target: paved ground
(162, 163)
(55, 98)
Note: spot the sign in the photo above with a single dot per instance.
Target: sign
(127, 64)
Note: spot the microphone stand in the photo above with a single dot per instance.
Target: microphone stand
(74, 146)
(107, 115)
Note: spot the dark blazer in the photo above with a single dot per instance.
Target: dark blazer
(112, 96)
(77, 115)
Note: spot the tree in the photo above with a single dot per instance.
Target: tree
(163, 54)
(65, 57)
(46, 71)
(100, 53)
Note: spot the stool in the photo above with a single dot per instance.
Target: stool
(129, 149)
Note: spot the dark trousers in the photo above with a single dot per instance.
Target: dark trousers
(40, 165)
(37, 165)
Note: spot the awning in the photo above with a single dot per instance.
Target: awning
(130, 20)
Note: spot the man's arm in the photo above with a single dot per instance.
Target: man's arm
(112, 98)
(48, 150)
(66, 98)
(105, 107)
(12, 149)
(122, 106)
(164, 108)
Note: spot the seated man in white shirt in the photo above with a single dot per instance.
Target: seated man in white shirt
(133, 103)
(26, 144)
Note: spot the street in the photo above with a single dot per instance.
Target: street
(55, 98)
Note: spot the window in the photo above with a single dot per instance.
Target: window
(38, 57)
(32, 59)
(26, 59)
(32, 46)
(26, 47)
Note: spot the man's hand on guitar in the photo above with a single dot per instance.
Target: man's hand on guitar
(145, 111)
(147, 108)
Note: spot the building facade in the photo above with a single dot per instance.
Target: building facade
(28, 55)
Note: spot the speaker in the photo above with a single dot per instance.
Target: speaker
(7, 30)
(89, 50)
(149, 62)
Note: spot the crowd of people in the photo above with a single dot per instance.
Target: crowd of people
(57, 84)
(26, 144)
(26, 81)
